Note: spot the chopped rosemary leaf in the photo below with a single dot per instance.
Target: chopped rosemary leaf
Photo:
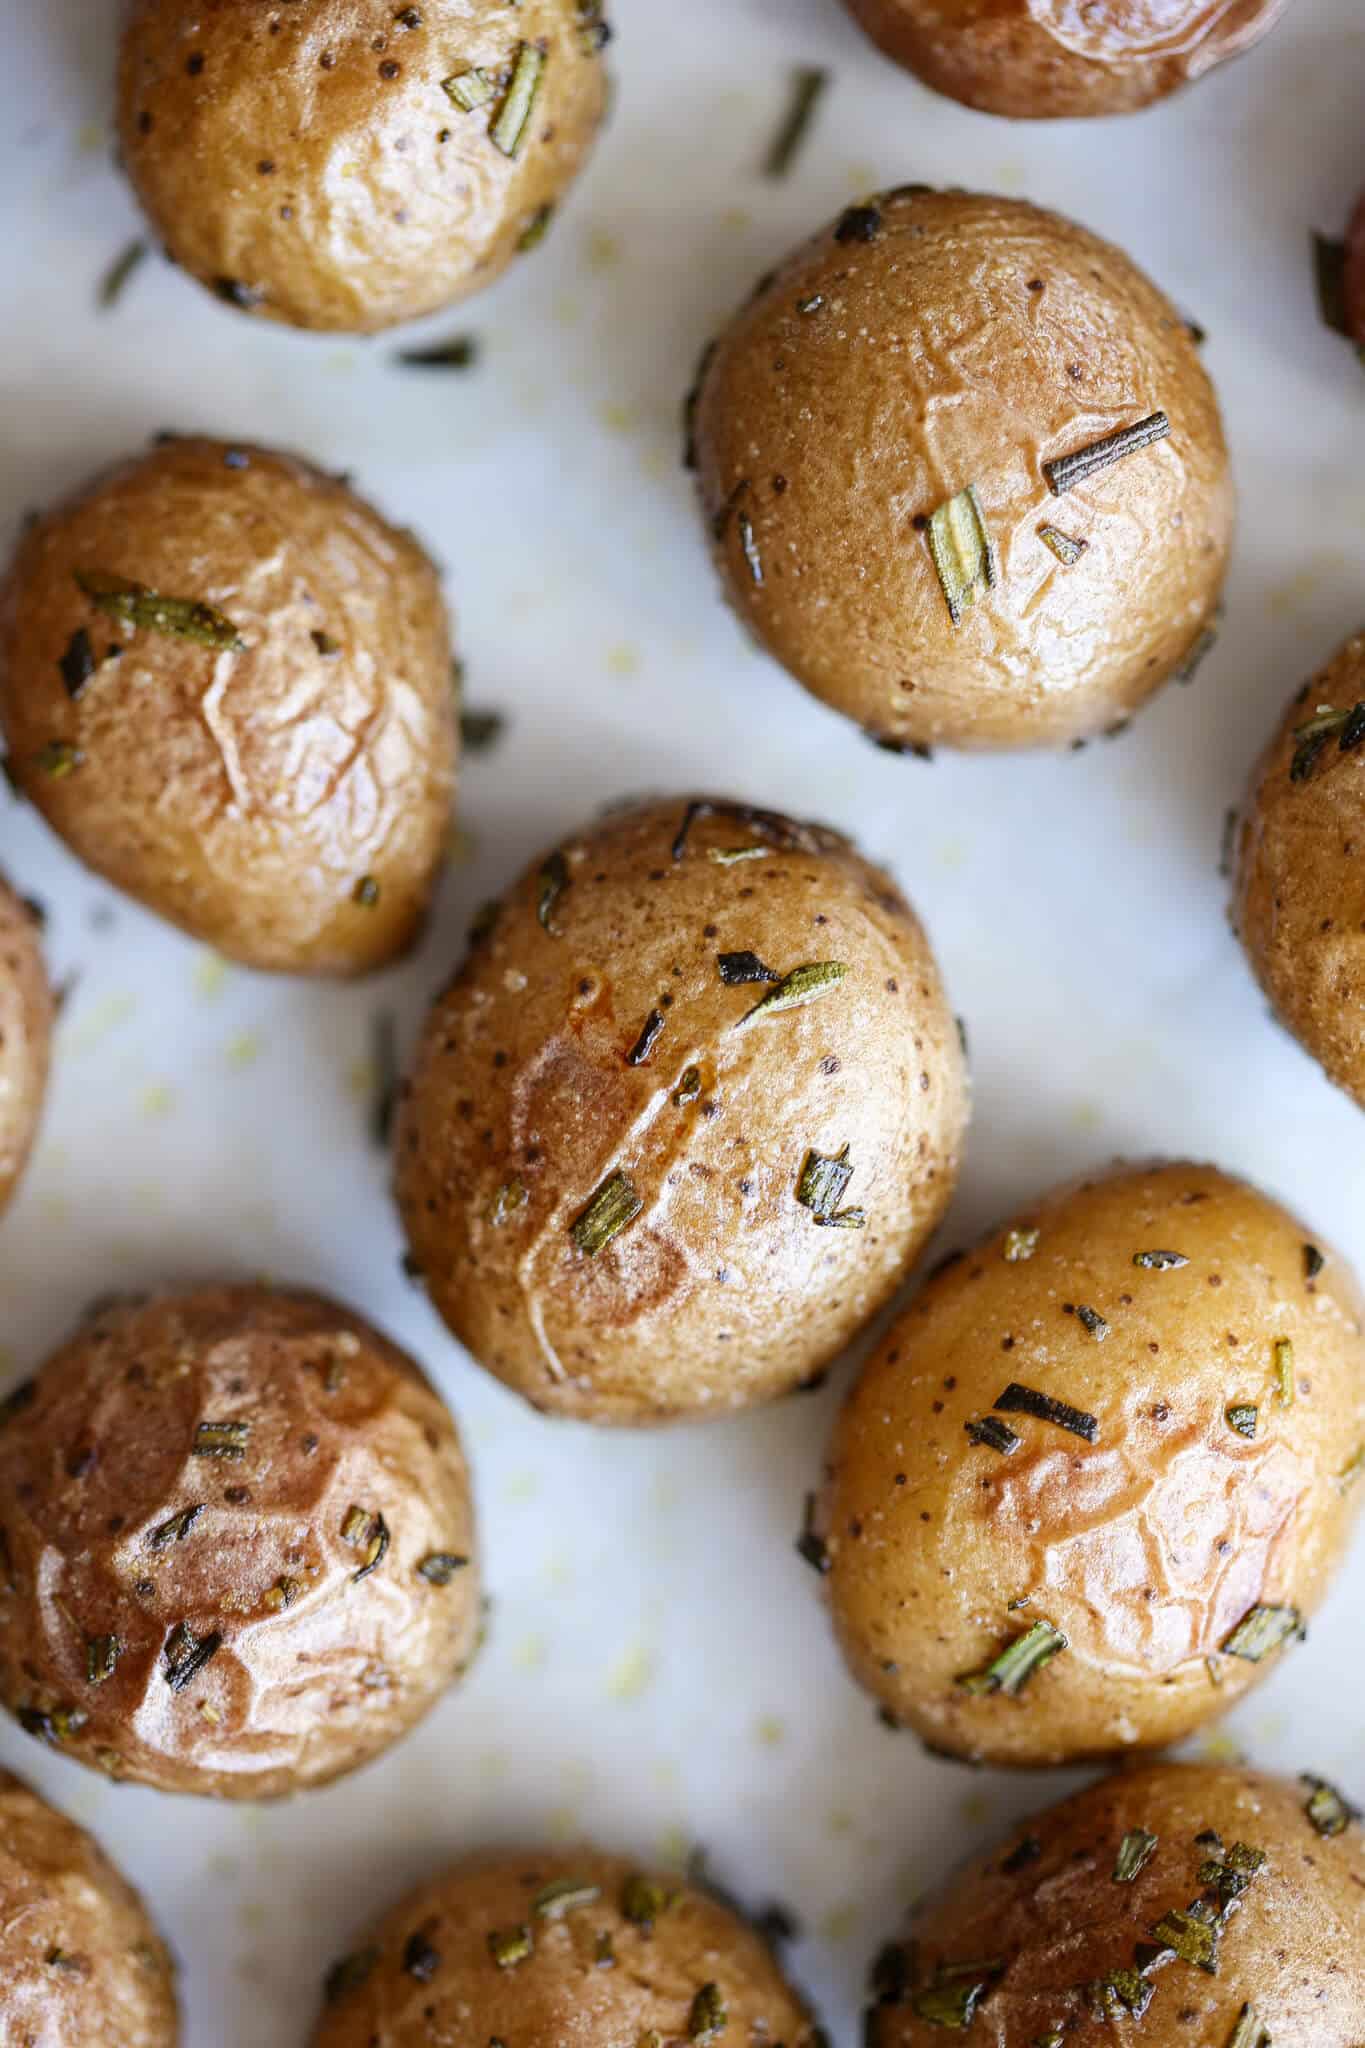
(119, 275)
(1199, 653)
(439, 1567)
(1248, 2032)
(384, 1059)
(58, 759)
(469, 90)
(510, 1197)
(1242, 1416)
(744, 526)
(1017, 1663)
(990, 1430)
(803, 985)
(643, 1902)
(554, 880)
(1193, 1936)
(1284, 1371)
(952, 1996)
(221, 1440)
(1020, 1245)
(514, 116)
(962, 551)
(709, 2016)
(726, 856)
(1017, 1400)
(281, 1595)
(349, 1974)
(1229, 1876)
(821, 1186)
(175, 1529)
(1136, 1851)
(858, 224)
(536, 229)
(564, 1895)
(1067, 550)
(647, 1040)
(1090, 1319)
(688, 1088)
(366, 892)
(15, 1402)
(1263, 1629)
(509, 1946)
(420, 1959)
(78, 664)
(1067, 471)
(1329, 267)
(1160, 1262)
(810, 1544)
(1329, 1813)
(460, 352)
(808, 84)
(375, 1540)
(101, 1658)
(183, 618)
(736, 968)
(326, 646)
(615, 1205)
(1313, 1262)
(186, 1654)
(1122, 1991)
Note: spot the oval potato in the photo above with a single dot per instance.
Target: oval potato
(27, 1014)
(273, 774)
(239, 1544)
(1175, 1540)
(929, 343)
(605, 1153)
(316, 165)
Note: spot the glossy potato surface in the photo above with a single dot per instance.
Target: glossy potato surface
(27, 1015)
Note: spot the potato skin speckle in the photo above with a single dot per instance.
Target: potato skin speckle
(229, 1463)
(562, 1995)
(1044, 1905)
(1054, 59)
(27, 1014)
(1145, 1547)
(724, 1290)
(931, 341)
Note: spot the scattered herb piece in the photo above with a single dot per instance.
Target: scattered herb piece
(1020, 1245)
(1242, 1417)
(1067, 550)
(1136, 1851)
(645, 1043)
(1329, 266)
(643, 1902)
(78, 664)
(736, 968)
(808, 84)
(370, 1533)
(615, 1205)
(281, 1595)
(1067, 471)
(810, 1544)
(962, 551)
(821, 1187)
(782, 831)
(709, 2016)
(1017, 1400)
(554, 880)
(1329, 1813)
(1313, 1262)
(469, 90)
(460, 352)
(1263, 1629)
(1090, 1319)
(233, 292)
(954, 1993)
(384, 1059)
(1011, 1671)
(183, 618)
(803, 985)
(1122, 1991)
(990, 1430)
(420, 1959)
(366, 892)
(510, 1197)
(349, 1974)
(119, 275)
(509, 1946)
(812, 304)
(744, 526)
(326, 646)
(564, 1895)
(1022, 1855)
(1193, 1936)
(688, 1089)
(536, 229)
(1230, 1875)
(859, 224)
(58, 759)
(175, 1529)
(186, 1654)
(439, 1567)
(15, 1402)
(101, 1658)
(1284, 1371)
(514, 116)
(221, 1440)
(727, 856)
(1199, 653)
(480, 731)
(1160, 1262)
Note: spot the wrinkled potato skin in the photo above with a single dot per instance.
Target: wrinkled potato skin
(561, 1996)
(1294, 1949)
(1147, 1547)
(1298, 897)
(724, 1292)
(1053, 59)
(244, 796)
(26, 1019)
(367, 216)
(102, 1456)
(929, 365)
(60, 1892)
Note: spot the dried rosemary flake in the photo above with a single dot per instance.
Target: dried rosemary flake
(709, 2016)
(1199, 653)
(1313, 1262)
(1136, 1851)
(744, 526)
(803, 985)
(808, 85)
(1017, 1400)
(1230, 1875)
(349, 1974)
(1011, 1671)
(1328, 1811)
(1263, 1629)
(1067, 471)
(564, 1895)
(821, 1188)
(469, 90)
(182, 618)
(384, 1059)
(1067, 550)
(282, 1594)
(175, 1529)
(737, 968)
(1090, 1319)
(536, 229)
(553, 881)
(954, 1994)
(688, 1088)
(324, 644)
(1192, 1935)
(1020, 1245)
(1242, 1416)
(186, 1654)
(119, 275)
(439, 1567)
(510, 1197)
(373, 1536)
(650, 1031)
(1160, 1262)
(810, 1544)
(15, 1402)
(101, 1658)
(615, 1205)
(962, 551)
(990, 1430)
(1122, 1991)
(420, 1959)
(727, 856)
(366, 892)
(221, 1440)
(508, 131)
(643, 1902)
(509, 1946)
(78, 664)
(1284, 1371)
(58, 759)
(460, 352)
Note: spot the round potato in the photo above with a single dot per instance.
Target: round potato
(553, 1950)
(684, 1119)
(1355, 274)
(80, 1962)
(964, 474)
(226, 682)
(1197, 1904)
(1298, 903)
(238, 1552)
(26, 1019)
(353, 163)
(1099, 1474)
(1049, 59)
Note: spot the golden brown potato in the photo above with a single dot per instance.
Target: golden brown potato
(1100, 1473)
(560, 1950)
(927, 346)
(1046, 59)
(225, 681)
(1298, 899)
(81, 1965)
(238, 1544)
(353, 163)
(1204, 1907)
(26, 1019)
(685, 1117)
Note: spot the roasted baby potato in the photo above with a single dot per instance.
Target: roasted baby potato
(26, 1020)
(1100, 1473)
(1047, 59)
(238, 1544)
(1298, 900)
(226, 682)
(81, 1965)
(1186, 1903)
(541, 1949)
(686, 1116)
(353, 163)
(964, 475)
